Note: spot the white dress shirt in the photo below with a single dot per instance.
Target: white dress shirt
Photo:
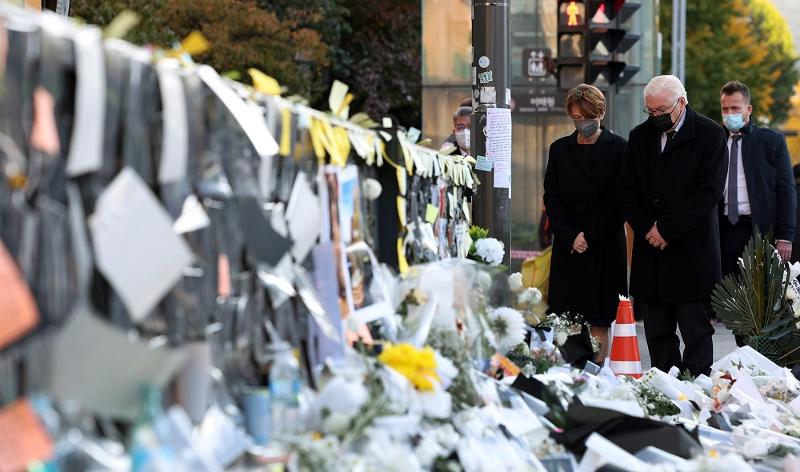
(664, 136)
(741, 182)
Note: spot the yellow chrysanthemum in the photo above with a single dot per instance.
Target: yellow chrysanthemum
(417, 365)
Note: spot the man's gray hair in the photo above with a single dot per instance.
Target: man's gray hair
(669, 83)
(462, 111)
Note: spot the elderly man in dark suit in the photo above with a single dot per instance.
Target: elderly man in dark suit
(673, 176)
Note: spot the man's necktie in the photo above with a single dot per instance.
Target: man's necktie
(733, 181)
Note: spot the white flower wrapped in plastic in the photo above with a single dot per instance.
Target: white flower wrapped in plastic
(530, 296)
(515, 282)
(338, 402)
(508, 327)
(372, 189)
(490, 250)
(755, 448)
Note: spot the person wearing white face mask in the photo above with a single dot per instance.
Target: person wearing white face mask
(759, 190)
(462, 119)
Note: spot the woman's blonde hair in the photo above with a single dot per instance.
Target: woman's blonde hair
(589, 99)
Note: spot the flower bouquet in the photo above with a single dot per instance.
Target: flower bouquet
(571, 335)
(527, 300)
(485, 249)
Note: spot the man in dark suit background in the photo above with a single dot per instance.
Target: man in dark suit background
(673, 176)
(759, 191)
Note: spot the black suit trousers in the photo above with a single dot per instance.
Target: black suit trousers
(660, 322)
(732, 241)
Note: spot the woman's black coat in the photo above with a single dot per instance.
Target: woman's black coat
(579, 196)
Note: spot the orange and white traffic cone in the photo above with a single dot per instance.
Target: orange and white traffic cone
(625, 358)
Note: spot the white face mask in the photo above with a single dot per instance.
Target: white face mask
(462, 138)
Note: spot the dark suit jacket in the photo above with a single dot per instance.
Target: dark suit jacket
(579, 195)
(770, 181)
(679, 190)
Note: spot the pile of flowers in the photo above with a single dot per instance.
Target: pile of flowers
(431, 397)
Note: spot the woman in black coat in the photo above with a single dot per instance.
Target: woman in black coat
(588, 269)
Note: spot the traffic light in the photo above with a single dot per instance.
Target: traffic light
(591, 39)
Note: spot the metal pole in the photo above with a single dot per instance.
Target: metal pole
(491, 88)
(682, 57)
(676, 42)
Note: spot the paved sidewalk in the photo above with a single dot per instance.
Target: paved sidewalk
(724, 343)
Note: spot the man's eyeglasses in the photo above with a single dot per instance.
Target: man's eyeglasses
(662, 110)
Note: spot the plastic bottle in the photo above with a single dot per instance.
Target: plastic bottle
(284, 388)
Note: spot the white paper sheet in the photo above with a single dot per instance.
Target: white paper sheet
(135, 245)
(600, 451)
(253, 124)
(304, 215)
(96, 364)
(175, 129)
(86, 147)
(221, 437)
(193, 216)
(623, 406)
(498, 145)
(746, 391)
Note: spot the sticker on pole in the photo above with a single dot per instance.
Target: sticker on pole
(484, 163)
(484, 62)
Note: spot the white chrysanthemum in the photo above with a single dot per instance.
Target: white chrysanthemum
(791, 293)
(508, 326)
(372, 189)
(515, 282)
(446, 370)
(531, 296)
(490, 250)
(484, 280)
(755, 448)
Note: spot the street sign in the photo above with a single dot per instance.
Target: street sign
(538, 100)
(536, 62)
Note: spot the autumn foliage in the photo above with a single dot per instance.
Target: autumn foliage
(304, 45)
(747, 40)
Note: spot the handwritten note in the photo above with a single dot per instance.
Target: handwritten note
(18, 312)
(498, 145)
(23, 439)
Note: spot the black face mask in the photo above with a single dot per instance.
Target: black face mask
(587, 127)
(661, 122)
